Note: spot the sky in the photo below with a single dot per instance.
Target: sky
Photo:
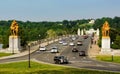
(58, 10)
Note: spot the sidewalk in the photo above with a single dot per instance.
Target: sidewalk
(32, 49)
(93, 51)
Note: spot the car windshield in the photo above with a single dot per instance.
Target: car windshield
(42, 47)
(74, 48)
(54, 48)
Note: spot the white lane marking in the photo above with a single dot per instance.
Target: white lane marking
(73, 57)
(86, 61)
(99, 65)
(47, 51)
(83, 61)
(111, 65)
(84, 57)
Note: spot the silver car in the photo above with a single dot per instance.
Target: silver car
(54, 50)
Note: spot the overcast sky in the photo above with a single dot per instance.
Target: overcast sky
(57, 10)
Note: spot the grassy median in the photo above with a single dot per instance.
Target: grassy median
(109, 58)
(4, 54)
(38, 68)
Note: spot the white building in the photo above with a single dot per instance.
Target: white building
(92, 21)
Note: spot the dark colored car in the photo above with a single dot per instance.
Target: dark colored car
(79, 43)
(82, 53)
(74, 49)
(85, 36)
(60, 60)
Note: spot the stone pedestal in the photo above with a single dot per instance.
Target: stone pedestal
(105, 45)
(14, 44)
(106, 42)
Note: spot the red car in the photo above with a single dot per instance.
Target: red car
(85, 36)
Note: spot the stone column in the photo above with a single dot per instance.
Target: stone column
(82, 32)
(105, 45)
(97, 32)
(78, 32)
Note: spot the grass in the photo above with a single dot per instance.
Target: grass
(5, 54)
(38, 68)
(108, 58)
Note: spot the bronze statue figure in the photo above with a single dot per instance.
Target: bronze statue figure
(105, 29)
(14, 28)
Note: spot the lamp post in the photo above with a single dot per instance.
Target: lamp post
(48, 40)
(112, 56)
(39, 40)
(29, 56)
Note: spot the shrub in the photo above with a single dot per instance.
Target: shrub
(114, 46)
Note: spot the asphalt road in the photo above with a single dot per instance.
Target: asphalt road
(74, 59)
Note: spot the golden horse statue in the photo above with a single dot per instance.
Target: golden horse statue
(105, 29)
(14, 28)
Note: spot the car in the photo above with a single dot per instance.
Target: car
(60, 60)
(71, 44)
(61, 41)
(79, 43)
(42, 48)
(74, 49)
(85, 36)
(82, 53)
(73, 38)
(64, 43)
(54, 50)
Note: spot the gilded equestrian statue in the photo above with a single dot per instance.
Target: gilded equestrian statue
(14, 28)
(105, 29)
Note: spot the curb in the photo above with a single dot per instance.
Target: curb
(26, 51)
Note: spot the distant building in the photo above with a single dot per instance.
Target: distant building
(90, 31)
(92, 21)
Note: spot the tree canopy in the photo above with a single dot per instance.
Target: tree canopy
(30, 31)
(114, 29)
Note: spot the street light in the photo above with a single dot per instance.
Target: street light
(29, 56)
(112, 56)
(39, 40)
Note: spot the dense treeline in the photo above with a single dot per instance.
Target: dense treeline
(30, 31)
(114, 30)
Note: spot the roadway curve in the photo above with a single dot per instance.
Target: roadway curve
(74, 58)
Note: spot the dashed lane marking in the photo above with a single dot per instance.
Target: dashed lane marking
(83, 61)
(111, 65)
(99, 65)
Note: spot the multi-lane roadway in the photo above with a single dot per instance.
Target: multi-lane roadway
(74, 59)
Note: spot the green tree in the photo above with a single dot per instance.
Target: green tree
(116, 43)
(51, 33)
(5, 39)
